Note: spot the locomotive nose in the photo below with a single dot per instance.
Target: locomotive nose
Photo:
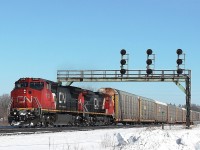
(19, 97)
(19, 92)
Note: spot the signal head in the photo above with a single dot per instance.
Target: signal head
(149, 52)
(179, 51)
(123, 52)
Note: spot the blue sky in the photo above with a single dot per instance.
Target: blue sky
(37, 38)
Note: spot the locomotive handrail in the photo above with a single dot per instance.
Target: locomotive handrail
(9, 106)
(38, 103)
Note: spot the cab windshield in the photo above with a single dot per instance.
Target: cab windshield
(21, 85)
(37, 85)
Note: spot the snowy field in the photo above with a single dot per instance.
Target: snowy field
(152, 138)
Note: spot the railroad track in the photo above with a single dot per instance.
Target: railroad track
(6, 131)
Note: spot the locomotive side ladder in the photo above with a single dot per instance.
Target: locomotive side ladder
(70, 76)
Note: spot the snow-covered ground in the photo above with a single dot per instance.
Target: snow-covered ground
(151, 138)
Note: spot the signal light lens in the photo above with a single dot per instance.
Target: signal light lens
(149, 71)
(179, 51)
(180, 71)
(123, 52)
(123, 62)
(123, 71)
(149, 61)
(179, 61)
(149, 52)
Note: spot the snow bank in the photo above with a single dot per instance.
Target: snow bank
(154, 138)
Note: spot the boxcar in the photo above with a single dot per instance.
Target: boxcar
(184, 115)
(171, 114)
(147, 110)
(179, 115)
(127, 108)
(194, 116)
(161, 112)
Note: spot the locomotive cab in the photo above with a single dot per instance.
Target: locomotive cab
(32, 93)
(28, 97)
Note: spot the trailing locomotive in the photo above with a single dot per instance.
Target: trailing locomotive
(37, 101)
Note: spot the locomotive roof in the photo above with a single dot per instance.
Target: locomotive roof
(36, 79)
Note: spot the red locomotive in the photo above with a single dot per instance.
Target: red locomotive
(36, 101)
(42, 102)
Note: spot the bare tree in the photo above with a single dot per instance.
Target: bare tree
(194, 107)
(4, 102)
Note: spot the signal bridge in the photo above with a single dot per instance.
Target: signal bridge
(70, 76)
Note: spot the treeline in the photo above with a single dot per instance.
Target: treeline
(194, 107)
(4, 102)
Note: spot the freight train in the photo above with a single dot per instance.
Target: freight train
(40, 102)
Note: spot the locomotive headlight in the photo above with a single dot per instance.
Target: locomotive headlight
(14, 113)
(24, 91)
